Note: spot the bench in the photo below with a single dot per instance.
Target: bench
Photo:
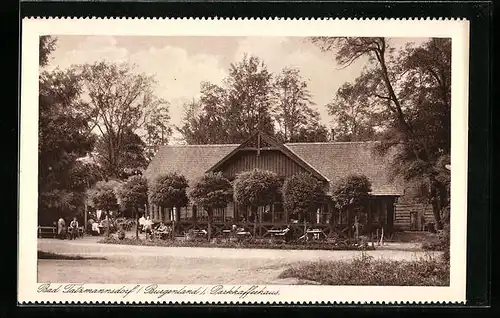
(47, 232)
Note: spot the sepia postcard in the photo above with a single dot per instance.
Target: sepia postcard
(243, 161)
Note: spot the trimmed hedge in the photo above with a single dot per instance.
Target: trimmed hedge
(351, 245)
(49, 255)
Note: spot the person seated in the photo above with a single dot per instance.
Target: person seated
(162, 230)
(95, 229)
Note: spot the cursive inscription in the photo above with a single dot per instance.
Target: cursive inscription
(159, 291)
(242, 292)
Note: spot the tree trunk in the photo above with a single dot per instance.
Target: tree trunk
(136, 223)
(209, 230)
(435, 202)
(173, 219)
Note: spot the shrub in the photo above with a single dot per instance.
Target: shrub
(49, 255)
(256, 188)
(365, 270)
(442, 244)
(134, 193)
(226, 243)
(211, 191)
(169, 190)
(301, 193)
(103, 195)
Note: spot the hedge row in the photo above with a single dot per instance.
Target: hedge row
(344, 245)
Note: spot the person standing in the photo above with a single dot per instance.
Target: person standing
(61, 226)
(148, 227)
(73, 227)
(142, 222)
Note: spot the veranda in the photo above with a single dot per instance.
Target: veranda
(261, 222)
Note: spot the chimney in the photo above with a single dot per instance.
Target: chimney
(332, 134)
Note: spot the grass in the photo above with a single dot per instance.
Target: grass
(49, 255)
(228, 244)
(365, 270)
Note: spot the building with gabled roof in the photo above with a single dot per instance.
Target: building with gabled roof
(326, 161)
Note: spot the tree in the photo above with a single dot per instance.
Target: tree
(313, 132)
(349, 195)
(301, 194)
(157, 130)
(232, 112)
(120, 102)
(205, 121)
(256, 188)
(413, 86)
(103, 196)
(134, 194)
(63, 137)
(47, 45)
(169, 191)
(212, 191)
(292, 109)
(354, 117)
(132, 155)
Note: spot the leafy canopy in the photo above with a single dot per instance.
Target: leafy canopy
(63, 137)
(301, 193)
(257, 188)
(134, 192)
(103, 195)
(120, 102)
(351, 190)
(169, 190)
(212, 191)
(252, 98)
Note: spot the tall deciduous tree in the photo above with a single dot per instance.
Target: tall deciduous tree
(354, 118)
(122, 101)
(231, 112)
(297, 121)
(134, 194)
(413, 85)
(249, 90)
(132, 156)
(212, 191)
(205, 121)
(64, 136)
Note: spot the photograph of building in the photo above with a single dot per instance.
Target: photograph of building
(244, 160)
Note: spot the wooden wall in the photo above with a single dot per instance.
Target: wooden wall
(271, 160)
(403, 216)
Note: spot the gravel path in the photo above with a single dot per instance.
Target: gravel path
(183, 265)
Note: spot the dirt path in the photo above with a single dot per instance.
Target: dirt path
(182, 265)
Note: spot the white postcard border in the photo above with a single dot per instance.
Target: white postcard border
(32, 28)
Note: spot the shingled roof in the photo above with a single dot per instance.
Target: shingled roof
(334, 160)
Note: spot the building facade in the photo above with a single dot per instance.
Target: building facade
(326, 161)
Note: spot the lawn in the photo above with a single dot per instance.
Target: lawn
(365, 270)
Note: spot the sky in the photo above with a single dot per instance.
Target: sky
(180, 64)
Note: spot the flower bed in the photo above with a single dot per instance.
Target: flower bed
(262, 244)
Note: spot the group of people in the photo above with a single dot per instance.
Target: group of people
(106, 226)
(72, 231)
(146, 226)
